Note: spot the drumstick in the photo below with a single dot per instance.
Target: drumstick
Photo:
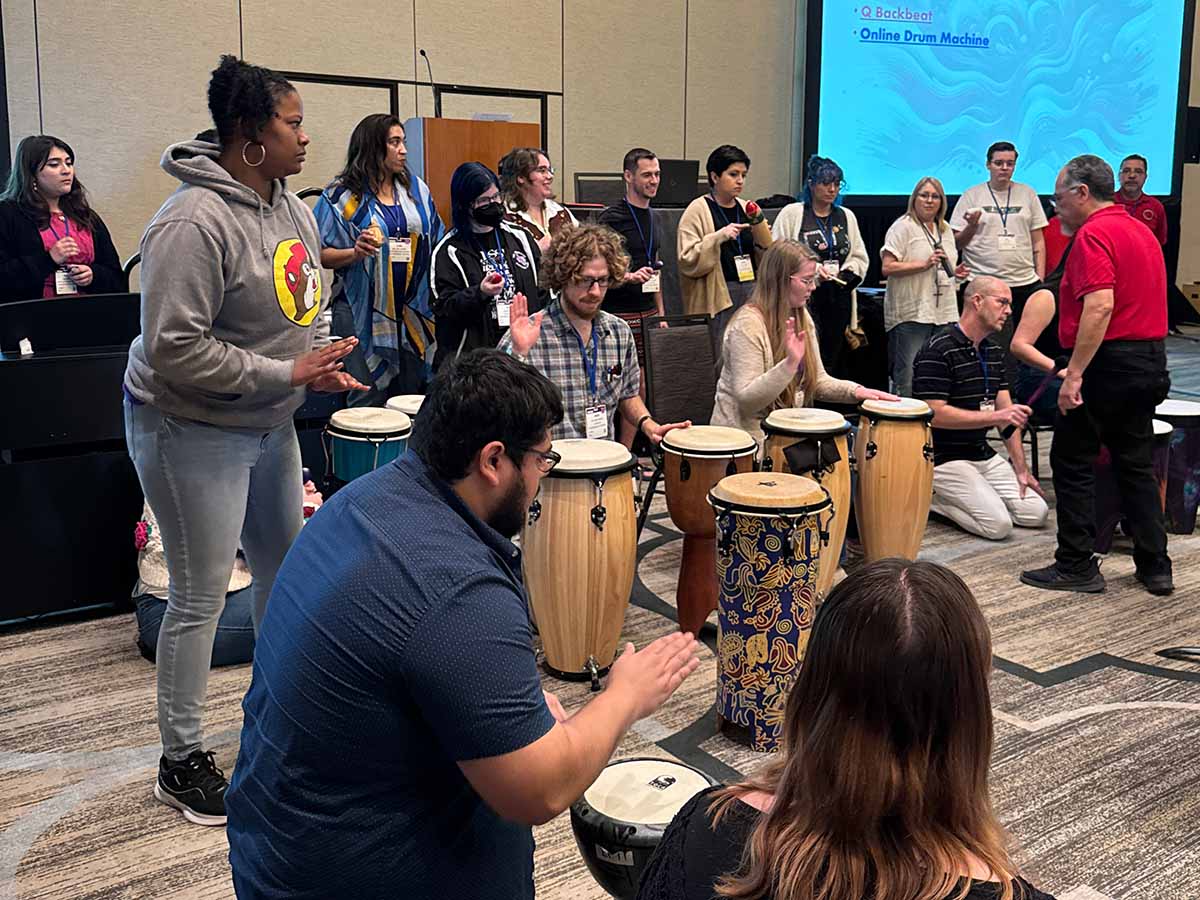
(1059, 364)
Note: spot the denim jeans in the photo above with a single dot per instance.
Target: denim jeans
(209, 485)
(233, 644)
(905, 341)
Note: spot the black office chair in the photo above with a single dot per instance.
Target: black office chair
(130, 264)
(680, 378)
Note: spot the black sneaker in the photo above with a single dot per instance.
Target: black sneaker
(1160, 584)
(1051, 578)
(194, 786)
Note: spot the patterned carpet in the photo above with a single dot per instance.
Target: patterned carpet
(1096, 771)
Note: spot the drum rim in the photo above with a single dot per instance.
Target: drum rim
(835, 431)
(367, 437)
(768, 512)
(582, 803)
(602, 472)
(875, 415)
(747, 450)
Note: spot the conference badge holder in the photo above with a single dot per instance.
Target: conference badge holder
(744, 263)
(596, 422)
(650, 285)
(400, 249)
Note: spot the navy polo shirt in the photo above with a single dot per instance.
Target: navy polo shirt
(396, 642)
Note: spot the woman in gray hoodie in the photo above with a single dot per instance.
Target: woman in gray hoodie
(232, 335)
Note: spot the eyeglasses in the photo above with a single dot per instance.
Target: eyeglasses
(1005, 302)
(1057, 196)
(928, 196)
(810, 281)
(542, 170)
(586, 283)
(484, 201)
(833, 184)
(547, 460)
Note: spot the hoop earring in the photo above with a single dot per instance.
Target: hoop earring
(261, 159)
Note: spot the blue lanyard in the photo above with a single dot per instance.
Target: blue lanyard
(588, 366)
(982, 352)
(1007, 200)
(827, 236)
(737, 217)
(66, 225)
(501, 263)
(649, 245)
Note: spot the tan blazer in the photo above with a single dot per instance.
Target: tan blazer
(701, 281)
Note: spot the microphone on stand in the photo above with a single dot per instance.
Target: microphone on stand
(437, 111)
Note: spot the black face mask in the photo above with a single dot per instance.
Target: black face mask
(489, 214)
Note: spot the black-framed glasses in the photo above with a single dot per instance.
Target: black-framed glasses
(586, 283)
(547, 459)
(484, 201)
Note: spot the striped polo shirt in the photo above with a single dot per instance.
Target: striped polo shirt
(950, 368)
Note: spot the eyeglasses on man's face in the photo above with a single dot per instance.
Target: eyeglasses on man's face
(546, 460)
(1058, 196)
(586, 283)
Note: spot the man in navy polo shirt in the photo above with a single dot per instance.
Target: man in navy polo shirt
(1112, 317)
(397, 742)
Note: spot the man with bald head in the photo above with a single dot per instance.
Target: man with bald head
(960, 374)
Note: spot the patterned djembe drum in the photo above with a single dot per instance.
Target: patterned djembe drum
(771, 527)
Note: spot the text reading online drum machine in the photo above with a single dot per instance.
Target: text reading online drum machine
(922, 89)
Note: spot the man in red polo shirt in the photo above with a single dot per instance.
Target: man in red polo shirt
(1112, 318)
(1142, 207)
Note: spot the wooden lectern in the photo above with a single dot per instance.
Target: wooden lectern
(436, 147)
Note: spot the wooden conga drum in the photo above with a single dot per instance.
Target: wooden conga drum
(1183, 464)
(894, 453)
(812, 442)
(580, 547)
(694, 460)
(769, 544)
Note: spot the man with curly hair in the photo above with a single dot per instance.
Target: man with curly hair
(588, 353)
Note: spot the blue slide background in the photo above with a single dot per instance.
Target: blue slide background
(1059, 78)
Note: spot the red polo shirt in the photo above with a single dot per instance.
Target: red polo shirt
(1148, 211)
(1112, 251)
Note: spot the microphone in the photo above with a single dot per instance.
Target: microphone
(946, 267)
(1060, 363)
(429, 68)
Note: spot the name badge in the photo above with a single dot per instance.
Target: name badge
(745, 267)
(595, 422)
(400, 249)
(650, 286)
(987, 405)
(831, 267)
(503, 312)
(1007, 242)
(63, 283)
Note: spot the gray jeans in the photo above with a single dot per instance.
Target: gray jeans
(209, 486)
(905, 341)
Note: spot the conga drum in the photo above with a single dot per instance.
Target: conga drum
(1183, 464)
(363, 438)
(894, 452)
(694, 460)
(409, 404)
(1108, 493)
(771, 527)
(580, 547)
(620, 819)
(812, 442)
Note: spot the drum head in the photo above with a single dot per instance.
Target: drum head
(709, 440)
(370, 420)
(585, 456)
(769, 493)
(1162, 429)
(1178, 411)
(904, 408)
(644, 791)
(806, 420)
(409, 404)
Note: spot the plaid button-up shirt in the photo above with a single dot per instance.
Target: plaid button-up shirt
(558, 354)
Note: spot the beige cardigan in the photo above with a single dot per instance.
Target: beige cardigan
(751, 381)
(701, 281)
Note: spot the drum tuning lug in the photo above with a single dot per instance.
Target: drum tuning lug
(731, 468)
(593, 671)
(872, 449)
(928, 451)
(599, 514)
(768, 464)
(535, 511)
(685, 470)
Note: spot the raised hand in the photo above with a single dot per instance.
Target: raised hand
(523, 328)
(648, 677)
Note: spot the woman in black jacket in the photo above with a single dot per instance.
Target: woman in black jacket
(51, 241)
(479, 267)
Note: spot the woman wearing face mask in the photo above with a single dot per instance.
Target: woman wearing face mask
(770, 356)
(51, 241)
(831, 231)
(479, 267)
(527, 188)
(378, 228)
(920, 263)
(232, 336)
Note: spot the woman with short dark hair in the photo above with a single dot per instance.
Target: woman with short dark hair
(379, 226)
(52, 242)
(881, 789)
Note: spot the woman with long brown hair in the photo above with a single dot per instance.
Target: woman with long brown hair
(770, 358)
(881, 790)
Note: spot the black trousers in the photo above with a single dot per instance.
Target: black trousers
(829, 307)
(1124, 383)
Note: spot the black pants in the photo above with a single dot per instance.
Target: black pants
(829, 307)
(1124, 383)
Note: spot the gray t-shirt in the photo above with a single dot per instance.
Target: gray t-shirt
(1003, 243)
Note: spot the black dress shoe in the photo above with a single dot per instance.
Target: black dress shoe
(1051, 578)
(1160, 584)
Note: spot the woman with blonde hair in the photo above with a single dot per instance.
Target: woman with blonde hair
(770, 358)
(881, 789)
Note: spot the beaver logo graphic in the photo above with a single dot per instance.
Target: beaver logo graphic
(297, 282)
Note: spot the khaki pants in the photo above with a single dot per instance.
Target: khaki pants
(984, 498)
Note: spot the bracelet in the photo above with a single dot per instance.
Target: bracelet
(642, 421)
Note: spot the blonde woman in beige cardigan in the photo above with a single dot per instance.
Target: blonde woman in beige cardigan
(770, 355)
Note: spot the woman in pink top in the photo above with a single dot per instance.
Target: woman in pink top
(51, 241)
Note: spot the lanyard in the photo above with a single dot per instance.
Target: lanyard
(1007, 200)
(981, 351)
(588, 366)
(933, 243)
(737, 217)
(648, 244)
(501, 263)
(827, 234)
(66, 226)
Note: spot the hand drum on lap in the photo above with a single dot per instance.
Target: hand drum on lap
(580, 548)
(620, 819)
(771, 527)
(894, 454)
(409, 404)
(1183, 464)
(815, 439)
(361, 439)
